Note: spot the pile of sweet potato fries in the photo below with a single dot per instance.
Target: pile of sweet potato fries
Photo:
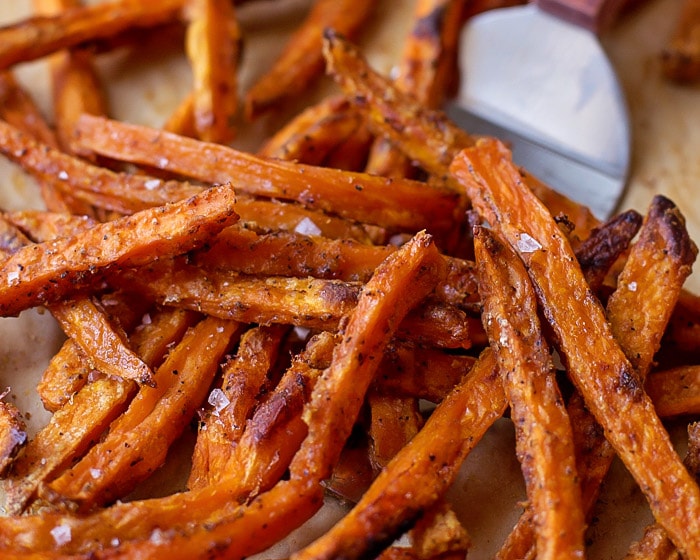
(303, 307)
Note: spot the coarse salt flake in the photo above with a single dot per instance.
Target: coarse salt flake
(632, 286)
(95, 473)
(61, 534)
(307, 227)
(12, 277)
(63, 176)
(219, 400)
(152, 184)
(527, 244)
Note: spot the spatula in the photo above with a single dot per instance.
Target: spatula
(537, 77)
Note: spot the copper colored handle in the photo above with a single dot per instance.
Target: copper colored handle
(596, 15)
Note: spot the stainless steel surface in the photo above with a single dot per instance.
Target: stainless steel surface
(547, 87)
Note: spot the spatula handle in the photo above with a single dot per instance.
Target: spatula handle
(596, 15)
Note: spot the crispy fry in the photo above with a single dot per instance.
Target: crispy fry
(19, 110)
(275, 432)
(426, 70)
(313, 134)
(40, 36)
(393, 422)
(680, 59)
(605, 244)
(69, 174)
(44, 273)
(82, 319)
(406, 205)
(664, 253)
(306, 302)
(675, 391)
(213, 45)
(76, 87)
(155, 417)
(243, 379)
(426, 373)
(70, 368)
(655, 543)
(543, 431)
(413, 481)
(425, 136)
(598, 367)
(80, 420)
(663, 248)
(301, 60)
(105, 346)
(13, 434)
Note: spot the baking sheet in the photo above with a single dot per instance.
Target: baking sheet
(144, 87)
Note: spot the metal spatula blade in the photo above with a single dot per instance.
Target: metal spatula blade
(547, 87)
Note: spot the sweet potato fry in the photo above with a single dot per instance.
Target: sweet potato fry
(426, 70)
(106, 347)
(663, 248)
(393, 423)
(606, 243)
(301, 60)
(19, 110)
(82, 319)
(75, 85)
(655, 542)
(213, 45)
(13, 434)
(274, 215)
(275, 431)
(45, 272)
(422, 471)
(70, 368)
(680, 58)
(425, 136)
(40, 36)
(405, 205)
(71, 175)
(313, 134)
(596, 364)
(244, 377)
(426, 373)
(81, 420)
(543, 431)
(664, 254)
(675, 391)
(154, 419)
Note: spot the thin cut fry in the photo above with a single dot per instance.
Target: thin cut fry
(315, 132)
(596, 363)
(663, 249)
(87, 325)
(543, 431)
(425, 136)
(395, 204)
(81, 420)
(212, 44)
(422, 471)
(664, 254)
(155, 418)
(655, 543)
(306, 302)
(12, 434)
(301, 60)
(76, 87)
(426, 70)
(40, 36)
(45, 272)
(244, 377)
